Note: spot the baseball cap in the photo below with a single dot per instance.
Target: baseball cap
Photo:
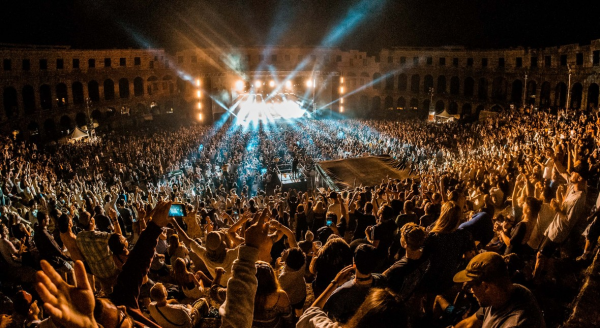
(483, 267)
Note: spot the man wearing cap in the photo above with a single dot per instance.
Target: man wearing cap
(503, 304)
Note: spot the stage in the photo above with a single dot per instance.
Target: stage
(353, 172)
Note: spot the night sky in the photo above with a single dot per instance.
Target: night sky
(349, 24)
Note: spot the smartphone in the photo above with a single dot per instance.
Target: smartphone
(177, 210)
(329, 223)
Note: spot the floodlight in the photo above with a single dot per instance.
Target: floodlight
(257, 84)
(239, 85)
(271, 83)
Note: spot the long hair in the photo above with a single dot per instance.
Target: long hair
(319, 207)
(335, 251)
(180, 271)
(268, 284)
(381, 308)
(173, 244)
(449, 219)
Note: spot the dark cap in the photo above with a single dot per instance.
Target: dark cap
(483, 267)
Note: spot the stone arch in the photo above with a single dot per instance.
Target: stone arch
(439, 106)
(109, 89)
(81, 119)
(441, 85)
(469, 87)
(28, 99)
(11, 104)
(592, 96)
(167, 82)
(516, 95)
(78, 97)
(364, 102)
(389, 102)
(93, 91)
(389, 81)
(376, 103)
(545, 95)
(152, 85)
(466, 109)
(454, 85)
(376, 81)
(415, 80)
(401, 103)
(50, 127)
(45, 96)
(426, 104)
(66, 123)
(531, 91)
(482, 90)
(453, 108)
(427, 83)
(138, 87)
(576, 95)
(123, 88)
(414, 103)
(402, 82)
(499, 86)
(62, 98)
(560, 94)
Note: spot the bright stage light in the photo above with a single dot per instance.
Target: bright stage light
(271, 83)
(239, 85)
(341, 89)
(257, 84)
(341, 109)
(200, 117)
(199, 105)
(199, 94)
(342, 79)
(254, 108)
(341, 100)
(198, 82)
(309, 83)
(288, 84)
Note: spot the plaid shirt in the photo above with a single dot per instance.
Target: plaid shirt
(94, 247)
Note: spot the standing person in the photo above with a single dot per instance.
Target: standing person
(301, 222)
(382, 235)
(503, 304)
(48, 248)
(271, 304)
(319, 213)
(329, 260)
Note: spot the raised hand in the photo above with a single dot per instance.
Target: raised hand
(68, 305)
(257, 234)
(160, 214)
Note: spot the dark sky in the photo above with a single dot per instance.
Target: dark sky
(350, 24)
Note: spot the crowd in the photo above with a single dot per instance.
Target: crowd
(187, 227)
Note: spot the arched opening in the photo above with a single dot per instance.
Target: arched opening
(152, 85)
(77, 93)
(93, 91)
(531, 91)
(167, 84)
(389, 102)
(45, 97)
(560, 95)
(454, 85)
(499, 89)
(469, 87)
(109, 89)
(389, 82)
(545, 95)
(124, 88)
(81, 119)
(364, 102)
(592, 96)
(426, 104)
(401, 103)
(11, 105)
(62, 98)
(377, 81)
(96, 115)
(414, 103)
(66, 124)
(138, 87)
(441, 85)
(402, 82)
(439, 106)
(466, 110)
(28, 99)
(376, 104)
(453, 108)
(482, 90)
(415, 80)
(516, 95)
(50, 128)
(576, 95)
(427, 83)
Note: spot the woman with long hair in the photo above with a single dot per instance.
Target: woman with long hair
(329, 260)
(188, 283)
(445, 247)
(271, 304)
